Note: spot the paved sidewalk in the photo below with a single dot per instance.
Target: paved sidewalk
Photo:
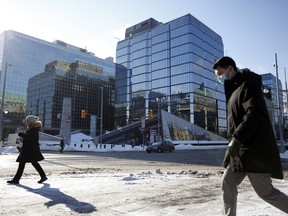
(133, 192)
(127, 194)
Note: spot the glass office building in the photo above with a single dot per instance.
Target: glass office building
(270, 92)
(168, 66)
(269, 81)
(27, 56)
(80, 81)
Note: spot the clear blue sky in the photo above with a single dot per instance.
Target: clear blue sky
(252, 30)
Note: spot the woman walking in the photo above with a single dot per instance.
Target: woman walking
(30, 152)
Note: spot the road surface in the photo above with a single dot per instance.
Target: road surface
(126, 183)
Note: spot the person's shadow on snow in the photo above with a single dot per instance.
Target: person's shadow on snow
(58, 197)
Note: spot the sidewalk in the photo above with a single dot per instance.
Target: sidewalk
(155, 193)
(132, 193)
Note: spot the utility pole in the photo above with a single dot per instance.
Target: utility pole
(280, 116)
(101, 119)
(286, 91)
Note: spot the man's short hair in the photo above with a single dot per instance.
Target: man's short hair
(225, 62)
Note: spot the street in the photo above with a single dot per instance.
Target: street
(209, 160)
(126, 183)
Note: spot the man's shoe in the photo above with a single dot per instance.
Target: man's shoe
(13, 182)
(42, 180)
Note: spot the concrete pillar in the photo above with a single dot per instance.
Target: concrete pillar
(93, 125)
(65, 130)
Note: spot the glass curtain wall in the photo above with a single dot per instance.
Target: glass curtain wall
(77, 81)
(28, 56)
(171, 69)
(270, 91)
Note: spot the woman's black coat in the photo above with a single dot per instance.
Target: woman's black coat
(249, 122)
(30, 150)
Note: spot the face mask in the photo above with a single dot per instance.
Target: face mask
(222, 78)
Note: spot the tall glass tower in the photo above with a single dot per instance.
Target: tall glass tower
(270, 92)
(27, 56)
(169, 66)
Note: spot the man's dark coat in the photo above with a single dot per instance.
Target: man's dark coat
(249, 122)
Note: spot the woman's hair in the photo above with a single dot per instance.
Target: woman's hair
(33, 121)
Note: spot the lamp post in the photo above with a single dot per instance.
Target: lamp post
(159, 117)
(101, 118)
(286, 90)
(2, 101)
(159, 104)
(280, 120)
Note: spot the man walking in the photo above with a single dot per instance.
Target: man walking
(62, 145)
(252, 150)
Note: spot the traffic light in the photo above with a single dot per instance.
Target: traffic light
(150, 113)
(83, 114)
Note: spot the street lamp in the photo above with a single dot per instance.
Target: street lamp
(280, 120)
(101, 118)
(159, 113)
(2, 100)
(286, 90)
(159, 116)
(93, 120)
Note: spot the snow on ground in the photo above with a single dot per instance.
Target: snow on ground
(152, 193)
(141, 194)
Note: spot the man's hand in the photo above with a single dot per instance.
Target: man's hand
(234, 149)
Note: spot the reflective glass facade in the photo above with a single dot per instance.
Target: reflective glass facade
(28, 56)
(269, 82)
(169, 67)
(79, 81)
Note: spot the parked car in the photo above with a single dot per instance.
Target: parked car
(161, 147)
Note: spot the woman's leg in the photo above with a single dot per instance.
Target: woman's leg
(18, 174)
(20, 171)
(39, 169)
